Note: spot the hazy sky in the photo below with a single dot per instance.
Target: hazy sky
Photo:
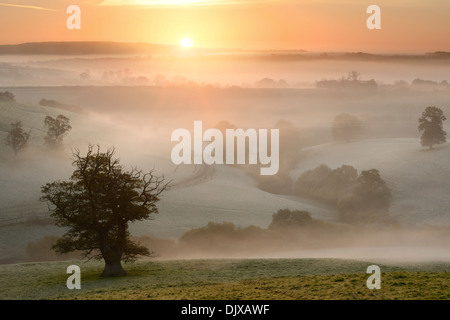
(315, 25)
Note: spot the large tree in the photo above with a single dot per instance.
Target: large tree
(96, 205)
(431, 126)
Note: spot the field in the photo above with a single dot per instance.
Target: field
(418, 179)
(257, 279)
(326, 261)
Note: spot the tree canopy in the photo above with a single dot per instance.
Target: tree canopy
(57, 128)
(431, 126)
(369, 200)
(17, 138)
(285, 218)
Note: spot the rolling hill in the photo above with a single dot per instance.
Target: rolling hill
(200, 194)
(419, 179)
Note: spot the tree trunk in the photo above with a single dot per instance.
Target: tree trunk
(113, 268)
(112, 254)
(113, 265)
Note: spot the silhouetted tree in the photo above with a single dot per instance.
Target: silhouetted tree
(369, 200)
(325, 184)
(373, 189)
(346, 127)
(16, 138)
(57, 128)
(285, 218)
(430, 124)
(96, 205)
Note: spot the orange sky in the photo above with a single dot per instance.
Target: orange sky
(314, 25)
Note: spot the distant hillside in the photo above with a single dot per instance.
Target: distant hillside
(121, 48)
(84, 48)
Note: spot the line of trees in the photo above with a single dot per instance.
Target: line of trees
(363, 198)
(57, 128)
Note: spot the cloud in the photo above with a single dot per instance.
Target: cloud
(26, 7)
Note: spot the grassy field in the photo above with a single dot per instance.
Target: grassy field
(270, 279)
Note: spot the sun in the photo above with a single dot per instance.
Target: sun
(186, 43)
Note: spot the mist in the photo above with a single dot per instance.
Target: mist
(134, 104)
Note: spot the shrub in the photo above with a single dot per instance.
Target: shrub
(285, 218)
(6, 96)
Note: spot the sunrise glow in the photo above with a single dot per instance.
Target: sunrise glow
(255, 24)
(186, 43)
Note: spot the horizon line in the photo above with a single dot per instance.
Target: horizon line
(231, 49)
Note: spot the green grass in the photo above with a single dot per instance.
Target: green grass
(228, 279)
